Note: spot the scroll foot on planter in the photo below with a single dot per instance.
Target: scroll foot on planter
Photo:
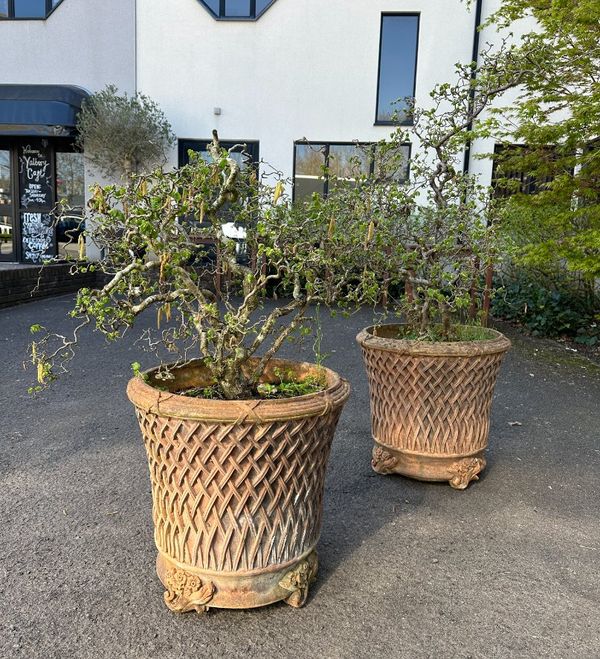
(383, 462)
(298, 580)
(465, 471)
(186, 592)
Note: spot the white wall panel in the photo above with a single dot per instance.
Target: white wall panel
(305, 69)
(89, 43)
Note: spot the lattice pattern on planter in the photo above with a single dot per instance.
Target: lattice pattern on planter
(431, 404)
(232, 497)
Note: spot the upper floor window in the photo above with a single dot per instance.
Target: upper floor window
(397, 67)
(318, 166)
(27, 8)
(237, 9)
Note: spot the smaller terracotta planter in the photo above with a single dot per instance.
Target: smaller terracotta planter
(237, 487)
(430, 403)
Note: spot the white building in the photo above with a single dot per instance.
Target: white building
(270, 73)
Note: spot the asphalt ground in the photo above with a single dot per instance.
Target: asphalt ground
(508, 568)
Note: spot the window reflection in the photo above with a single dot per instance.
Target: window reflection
(237, 8)
(70, 189)
(309, 177)
(397, 66)
(261, 5)
(347, 161)
(319, 167)
(30, 8)
(213, 5)
(6, 235)
(246, 154)
(5, 191)
(244, 157)
(393, 164)
(70, 179)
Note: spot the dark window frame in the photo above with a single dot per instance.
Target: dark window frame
(408, 121)
(222, 15)
(328, 146)
(50, 9)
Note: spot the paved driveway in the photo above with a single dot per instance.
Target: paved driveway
(508, 568)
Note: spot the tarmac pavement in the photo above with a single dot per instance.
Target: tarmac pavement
(508, 568)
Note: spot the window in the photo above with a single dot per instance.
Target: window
(241, 155)
(5, 179)
(6, 222)
(314, 162)
(309, 163)
(397, 67)
(27, 8)
(70, 189)
(509, 172)
(245, 153)
(237, 9)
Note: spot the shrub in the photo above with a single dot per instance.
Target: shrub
(157, 235)
(547, 306)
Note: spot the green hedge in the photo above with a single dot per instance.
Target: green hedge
(548, 305)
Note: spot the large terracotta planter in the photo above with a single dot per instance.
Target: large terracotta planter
(430, 403)
(237, 488)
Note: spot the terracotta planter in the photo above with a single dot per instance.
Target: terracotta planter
(430, 403)
(237, 488)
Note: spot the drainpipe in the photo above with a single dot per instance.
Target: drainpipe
(474, 58)
(135, 47)
(489, 270)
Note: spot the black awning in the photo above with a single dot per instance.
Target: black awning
(40, 109)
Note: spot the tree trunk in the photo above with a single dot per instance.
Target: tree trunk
(233, 382)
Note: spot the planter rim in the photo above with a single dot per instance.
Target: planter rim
(368, 340)
(163, 403)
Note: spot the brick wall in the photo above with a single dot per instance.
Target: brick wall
(17, 284)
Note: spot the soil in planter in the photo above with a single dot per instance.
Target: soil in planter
(285, 388)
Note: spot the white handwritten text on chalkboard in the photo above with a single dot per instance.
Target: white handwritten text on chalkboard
(35, 176)
(37, 236)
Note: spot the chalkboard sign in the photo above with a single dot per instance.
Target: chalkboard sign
(37, 237)
(35, 176)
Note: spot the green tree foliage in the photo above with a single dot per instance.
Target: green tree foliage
(557, 117)
(122, 134)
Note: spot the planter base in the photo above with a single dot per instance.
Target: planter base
(190, 589)
(458, 470)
